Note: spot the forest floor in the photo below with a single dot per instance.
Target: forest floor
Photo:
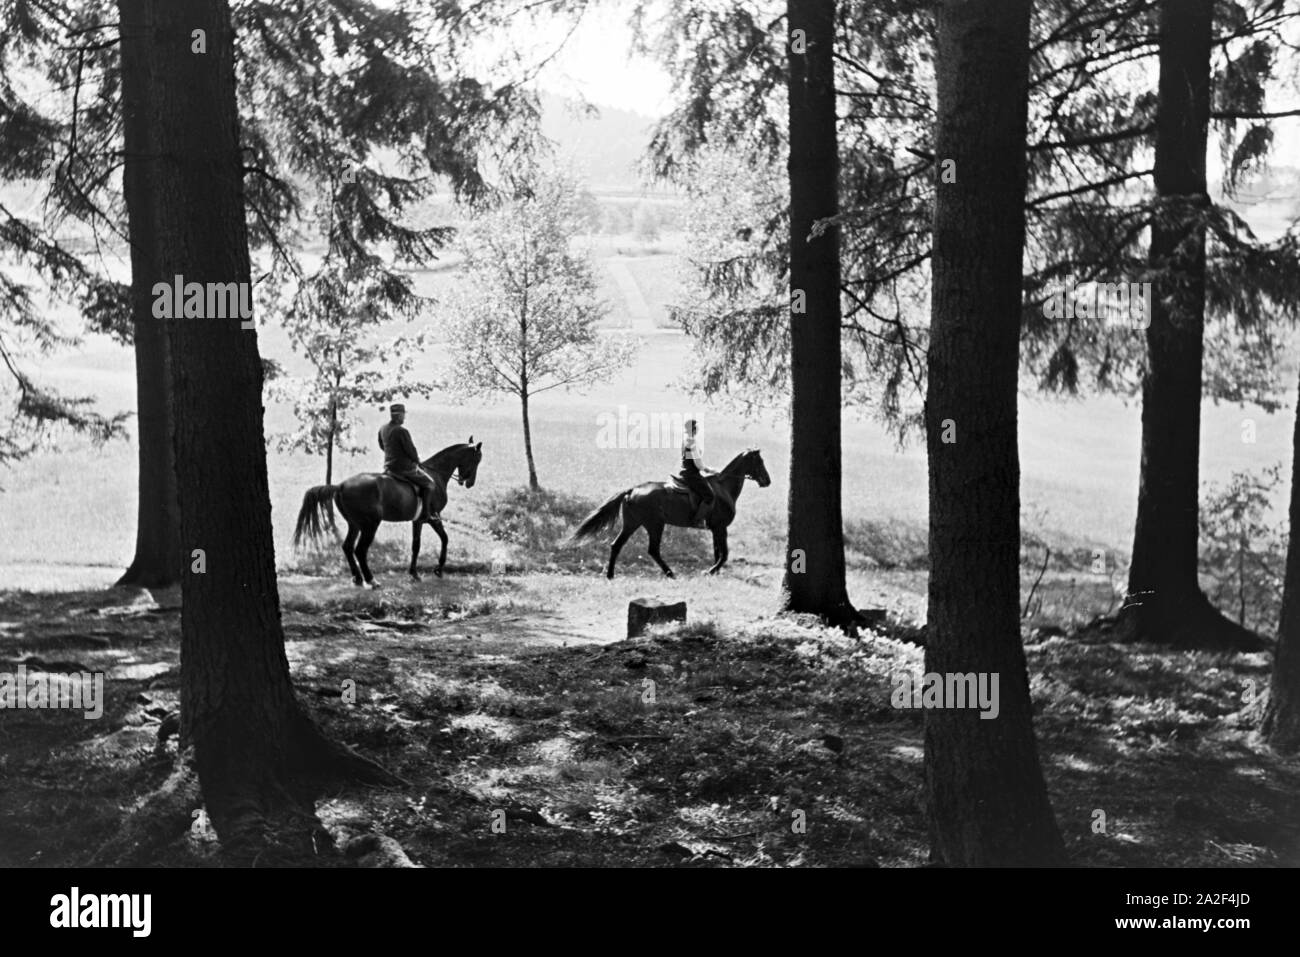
(532, 733)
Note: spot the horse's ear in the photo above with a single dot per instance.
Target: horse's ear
(471, 440)
(479, 446)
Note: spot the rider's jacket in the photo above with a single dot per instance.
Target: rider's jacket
(692, 455)
(399, 450)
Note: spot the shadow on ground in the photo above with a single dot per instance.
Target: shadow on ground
(533, 735)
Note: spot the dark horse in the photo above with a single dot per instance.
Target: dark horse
(656, 504)
(367, 499)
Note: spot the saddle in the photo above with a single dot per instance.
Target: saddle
(403, 479)
(419, 494)
(677, 484)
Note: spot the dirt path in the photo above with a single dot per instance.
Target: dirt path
(638, 310)
(58, 576)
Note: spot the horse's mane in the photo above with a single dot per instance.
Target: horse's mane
(446, 453)
(737, 458)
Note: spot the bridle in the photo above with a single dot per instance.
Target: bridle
(455, 474)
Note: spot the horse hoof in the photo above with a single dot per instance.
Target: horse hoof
(415, 576)
(669, 575)
(358, 582)
(437, 572)
(373, 585)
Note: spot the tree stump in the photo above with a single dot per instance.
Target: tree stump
(643, 612)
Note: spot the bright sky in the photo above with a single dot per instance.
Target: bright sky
(597, 63)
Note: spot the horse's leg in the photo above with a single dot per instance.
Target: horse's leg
(656, 531)
(415, 548)
(617, 544)
(630, 525)
(442, 555)
(719, 549)
(367, 536)
(349, 551)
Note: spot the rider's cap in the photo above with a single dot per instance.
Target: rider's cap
(397, 407)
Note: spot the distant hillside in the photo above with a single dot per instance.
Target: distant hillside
(605, 148)
(1276, 182)
(1270, 201)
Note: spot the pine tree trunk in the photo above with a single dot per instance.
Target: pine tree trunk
(237, 703)
(1165, 604)
(1281, 724)
(987, 804)
(157, 562)
(814, 580)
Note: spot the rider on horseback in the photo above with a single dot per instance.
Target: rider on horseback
(692, 459)
(401, 460)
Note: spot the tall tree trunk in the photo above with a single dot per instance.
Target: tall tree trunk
(987, 804)
(1165, 604)
(528, 444)
(1281, 724)
(814, 577)
(252, 742)
(158, 561)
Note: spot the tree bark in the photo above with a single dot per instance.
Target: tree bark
(158, 561)
(1165, 604)
(987, 804)
(1281, 724)
(814, 580)
(252, 742)
(528, 445)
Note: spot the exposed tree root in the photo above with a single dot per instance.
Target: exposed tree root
(322, 755)
(274, 824)
(157, 821)
(286, 834)
(1280, 727)
(376, 850)
(842, 615)
(1195, 625)
(134, 578)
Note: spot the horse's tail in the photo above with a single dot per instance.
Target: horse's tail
(601, 519)
(318, 501)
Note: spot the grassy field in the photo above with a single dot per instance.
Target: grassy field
(72, 507)
(506, 687)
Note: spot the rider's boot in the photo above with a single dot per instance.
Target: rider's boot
(430, 515)
(700, 513)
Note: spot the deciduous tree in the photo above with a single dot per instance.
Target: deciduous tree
(522, 317)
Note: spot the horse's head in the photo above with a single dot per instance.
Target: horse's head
(467, 463)
(752, 463)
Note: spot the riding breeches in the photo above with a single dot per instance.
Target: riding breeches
(418, 476)
(698, 484)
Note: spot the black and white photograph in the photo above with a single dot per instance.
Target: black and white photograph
(694, 435)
